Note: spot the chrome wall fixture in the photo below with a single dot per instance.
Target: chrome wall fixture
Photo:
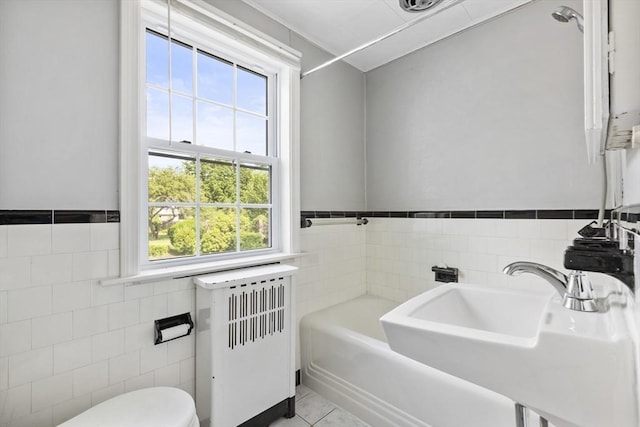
(566, 14)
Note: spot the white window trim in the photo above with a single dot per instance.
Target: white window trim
(244, 39)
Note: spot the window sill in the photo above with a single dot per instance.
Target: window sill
(196, 269)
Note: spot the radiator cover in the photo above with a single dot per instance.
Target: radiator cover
(245, 349)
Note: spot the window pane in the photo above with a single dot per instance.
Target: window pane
(254, 229)
(157, 114)
(217, 230)
(181, 119)
(181, 68)
(215, 79)
(215, 126)
(171, 179)
(217, 181)
(251, 134)
(172, 232)
(157, 60)
(254, 184)
(252, 91)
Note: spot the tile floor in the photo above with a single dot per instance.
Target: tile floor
(314, 410)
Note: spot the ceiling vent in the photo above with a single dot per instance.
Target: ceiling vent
(418, 5)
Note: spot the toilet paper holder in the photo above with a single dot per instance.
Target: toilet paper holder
(174, 327)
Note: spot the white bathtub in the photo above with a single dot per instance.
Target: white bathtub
(345, 357)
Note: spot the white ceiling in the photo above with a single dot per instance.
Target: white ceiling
(339, 26)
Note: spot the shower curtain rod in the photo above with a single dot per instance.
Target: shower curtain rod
(393, 32)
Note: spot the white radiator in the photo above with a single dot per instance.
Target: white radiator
(245, 349)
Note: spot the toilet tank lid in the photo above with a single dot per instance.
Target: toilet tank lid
(155, 406)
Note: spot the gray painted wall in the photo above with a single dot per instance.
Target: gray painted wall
(59, 109)
(58, 104)
(491, 118)
(632, 178)
(331, 134)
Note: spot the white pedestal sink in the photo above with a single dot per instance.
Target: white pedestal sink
(576, 369)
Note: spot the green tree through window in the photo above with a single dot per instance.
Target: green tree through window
(226, 211)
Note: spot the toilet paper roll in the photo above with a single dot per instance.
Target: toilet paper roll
(174, 332)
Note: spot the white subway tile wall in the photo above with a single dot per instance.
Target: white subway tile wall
(68, 343)
(333, 268)
(3, 242)
(29, 240)
(72, 238)
(401, 252)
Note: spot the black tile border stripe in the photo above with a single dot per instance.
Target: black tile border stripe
(529, 214)
(490, 214)
(20, 217)
(463, 214)
(79, 217)
(630, 217)
(559, 214)
(23, 217)
(581, 214)
(113, 216)
(589, 214)
(430, 214)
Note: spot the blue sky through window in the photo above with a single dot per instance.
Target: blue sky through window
(181, 68)
(252, 92)
(215, 126)
(157, 113)
(214, 111)
(215, 79)
(157, 60)
(251, 133)
(181, 118)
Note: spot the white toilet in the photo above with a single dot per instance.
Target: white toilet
(152, 407)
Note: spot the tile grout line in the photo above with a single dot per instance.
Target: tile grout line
(324, 416)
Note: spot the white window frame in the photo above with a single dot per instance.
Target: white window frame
(192, 37)
(200, 22)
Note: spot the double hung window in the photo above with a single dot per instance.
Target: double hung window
(210, 140)
(211, 152)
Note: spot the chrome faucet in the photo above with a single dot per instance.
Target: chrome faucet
(575, 289)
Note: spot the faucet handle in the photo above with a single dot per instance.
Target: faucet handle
(579, 295)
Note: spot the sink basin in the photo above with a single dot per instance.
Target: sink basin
(526, 346)
(509, 314)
